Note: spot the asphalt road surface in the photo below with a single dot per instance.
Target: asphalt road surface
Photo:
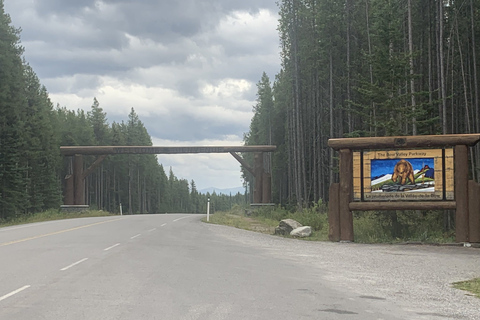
(176, 267)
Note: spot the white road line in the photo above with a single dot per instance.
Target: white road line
(106, 249)
(163, 225)
(73, 264)
(181, 218)
(138, 235)
(152, 230)
(14, 292)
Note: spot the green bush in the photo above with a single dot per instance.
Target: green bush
(315, 217)
(400, 226)
(369, 226)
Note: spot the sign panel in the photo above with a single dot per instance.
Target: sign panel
(403, 175)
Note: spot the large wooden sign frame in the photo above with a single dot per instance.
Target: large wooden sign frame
(441, 180)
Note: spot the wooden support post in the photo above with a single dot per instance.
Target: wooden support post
(474, 211)
(79, 179)
(94, 165)
(345, 194)
(258, 169)
(267, 188)
(333, 213)
(243, 163)
(69, 190)
(461, 193)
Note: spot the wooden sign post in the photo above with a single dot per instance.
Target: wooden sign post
(376, 173)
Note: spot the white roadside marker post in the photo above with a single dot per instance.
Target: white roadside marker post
(208, 210)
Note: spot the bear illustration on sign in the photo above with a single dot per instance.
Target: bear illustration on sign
(403, 169)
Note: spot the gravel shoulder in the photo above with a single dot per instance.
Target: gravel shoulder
(414, 277)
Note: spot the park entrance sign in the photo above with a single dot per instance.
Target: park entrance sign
(400, 173)
(75, 181)
(403, 175)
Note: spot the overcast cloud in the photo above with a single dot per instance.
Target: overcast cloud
(188, 67)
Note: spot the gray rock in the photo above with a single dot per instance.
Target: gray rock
(281, 231)
(286, 226)
(301, 232)
(289, 223)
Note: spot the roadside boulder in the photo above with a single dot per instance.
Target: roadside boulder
(301, 232)
(286, 226)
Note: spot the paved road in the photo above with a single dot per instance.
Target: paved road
(176, 267)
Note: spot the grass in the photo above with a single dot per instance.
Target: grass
(369, 227)
(265, 220)
(400, 226)
(50, 215)
(472, 286)
(236, 218)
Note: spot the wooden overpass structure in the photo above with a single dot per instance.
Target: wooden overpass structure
(75, 182)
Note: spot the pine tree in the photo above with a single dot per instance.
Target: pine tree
(41, 154)
(98, 121)
(13, 201)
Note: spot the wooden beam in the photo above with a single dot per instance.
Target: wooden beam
(94, 165)
(345, 195)
(402, 142)
(258, 170)
(79, 181)
(333, 213)
(100, 150)
(243, 163)
(461, 193)
(69, 197)
(402, 205)
(266, 187)
(474, 211)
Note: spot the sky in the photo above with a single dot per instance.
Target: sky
(189, 68)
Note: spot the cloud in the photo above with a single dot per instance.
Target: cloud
(189, 68)
(208, 169)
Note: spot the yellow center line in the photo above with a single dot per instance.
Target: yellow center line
(57, 232)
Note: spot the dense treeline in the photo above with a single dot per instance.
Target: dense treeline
(29, 156)
(359, 69)
(32, 169)
(137, 182)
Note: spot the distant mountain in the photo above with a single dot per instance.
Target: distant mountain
(385, 177)
(227, 191)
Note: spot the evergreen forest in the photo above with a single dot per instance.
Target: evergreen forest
(349, 68)
(364, 68)
(32, 169)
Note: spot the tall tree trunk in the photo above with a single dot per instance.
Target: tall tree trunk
(290, 153)
(332, 135)
(442, 67)
(412, 81)
(315, 136)
(475, 85)
(297, 133)
(349, 97)
(465, 93)
(373, 117)
(430, 62)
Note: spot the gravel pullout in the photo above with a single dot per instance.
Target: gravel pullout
(417, 278)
